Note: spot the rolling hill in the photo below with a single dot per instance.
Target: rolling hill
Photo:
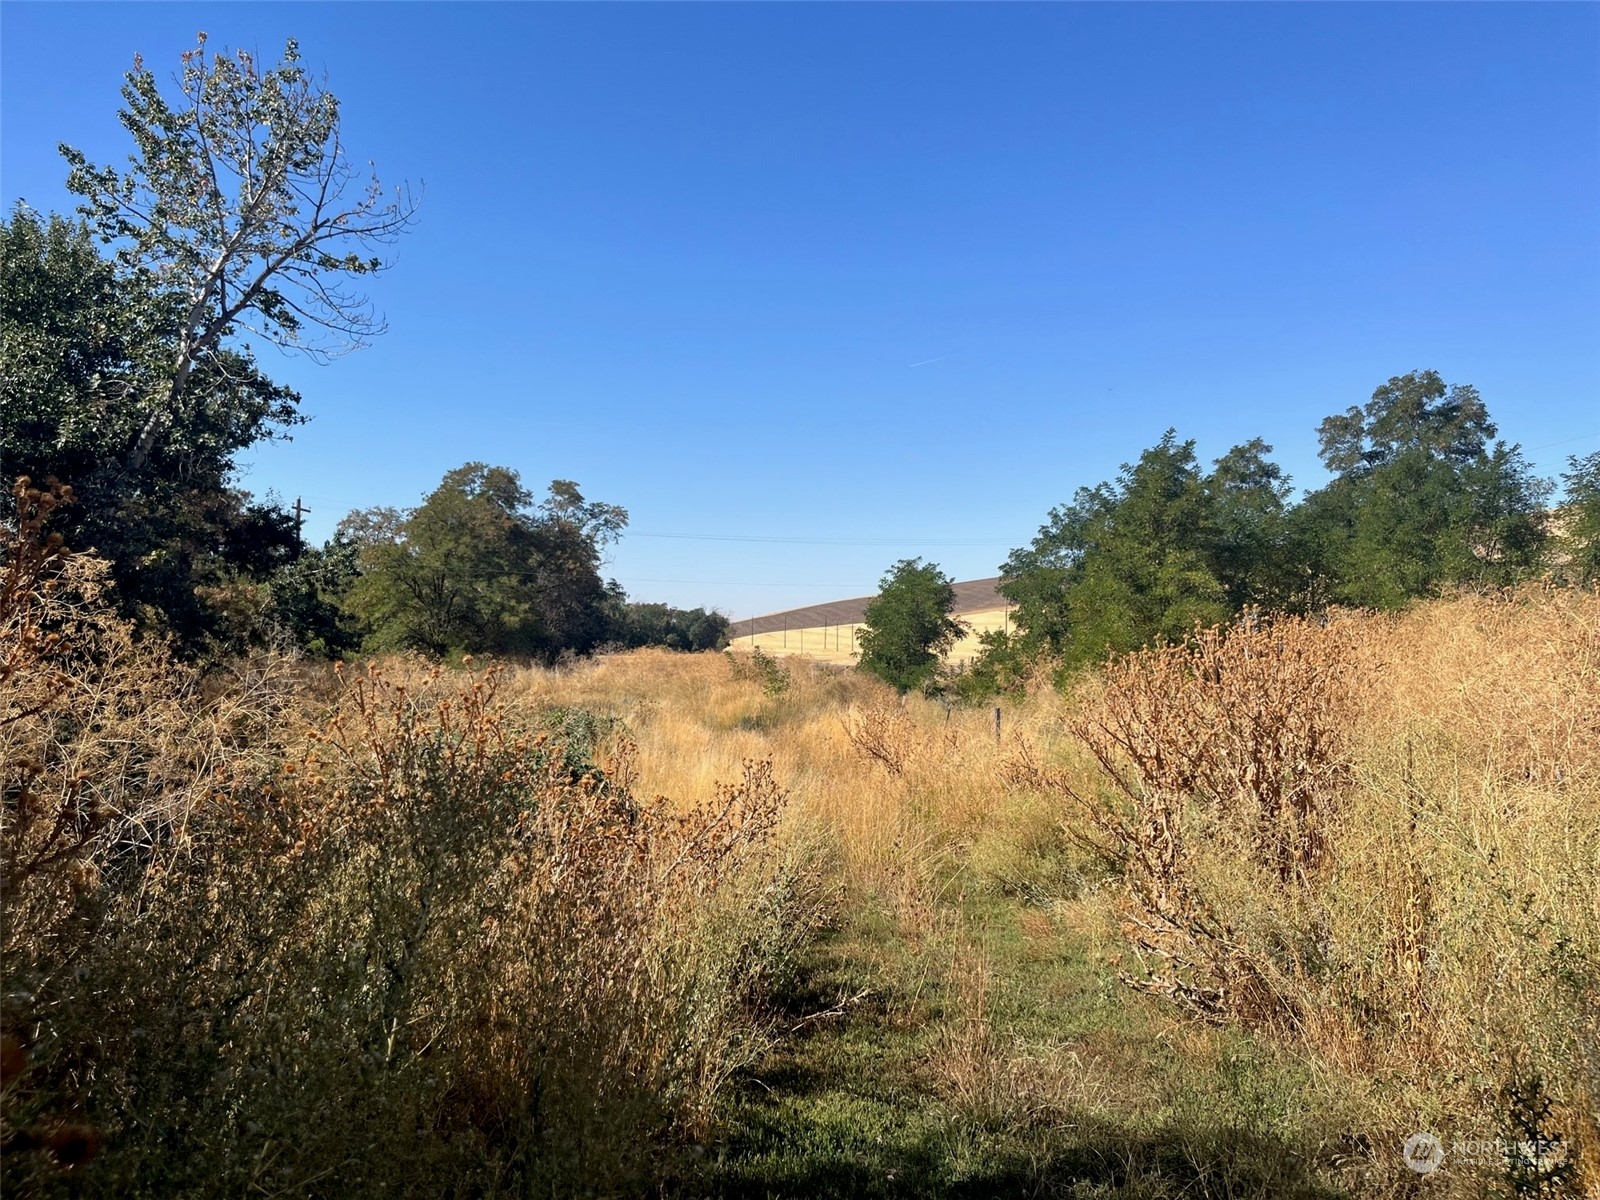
(827, 631)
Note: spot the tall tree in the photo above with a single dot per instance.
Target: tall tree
(908, 625)
(1421, 496)
(1252, 551)
(81, 344)
(239, 199)
(1579, 518)
(478, 567)
(570, 535)
(238, 217)
(1139, 559)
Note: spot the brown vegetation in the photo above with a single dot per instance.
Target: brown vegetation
(290, 933)
(1378, 837)
(300, 931)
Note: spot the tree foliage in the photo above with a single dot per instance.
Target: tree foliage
(908, 625)
(1580, 518)
(240, 200)
(1251, 546)
(305, 598)
(132, 378)
(478, 567)
(1421, 498)
(1146, 557)
(690, 629)
(81, 344)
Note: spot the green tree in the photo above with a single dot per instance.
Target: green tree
(479, 568)
(1142, 558)
(1421, 497)
(240, 201)
(130, 378)
(306, 598)
(908, 626)
(689, 629)
(570, 535)
(1252, 551)
(81, 341)
(1580, 517)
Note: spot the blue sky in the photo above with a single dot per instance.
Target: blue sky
(832, 285)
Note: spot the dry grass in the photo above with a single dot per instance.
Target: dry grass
(1375, 840)
(1378, 839)
(269, 932)
(280, 932)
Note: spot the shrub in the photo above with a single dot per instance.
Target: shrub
(760, 668)
(412, 939)
(1376, 838)
(1233, 744)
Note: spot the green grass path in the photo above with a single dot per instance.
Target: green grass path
(994, 1057)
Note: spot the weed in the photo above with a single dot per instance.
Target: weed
(762, 668)
(287, 930)
(267, 932)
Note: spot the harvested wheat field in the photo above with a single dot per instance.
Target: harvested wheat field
(1237, 918)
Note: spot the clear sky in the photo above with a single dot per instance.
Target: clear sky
(832, 285)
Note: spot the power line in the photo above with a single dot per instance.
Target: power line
(806, 541)
(1563, 442)
(747, 583)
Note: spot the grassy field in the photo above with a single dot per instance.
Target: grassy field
(958, 1028)
(966, 1024)
(1233, 919)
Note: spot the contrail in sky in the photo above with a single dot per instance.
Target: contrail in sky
(926, 361)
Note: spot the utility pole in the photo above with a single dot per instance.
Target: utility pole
(300, 511)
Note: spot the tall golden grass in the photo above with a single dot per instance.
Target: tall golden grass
(1374, 839)
(279, 930)
(1377, 838)
(284, 933)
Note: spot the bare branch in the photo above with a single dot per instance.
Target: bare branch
(242, 197)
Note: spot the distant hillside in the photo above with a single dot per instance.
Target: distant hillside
(828, 631)
(976, 595)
